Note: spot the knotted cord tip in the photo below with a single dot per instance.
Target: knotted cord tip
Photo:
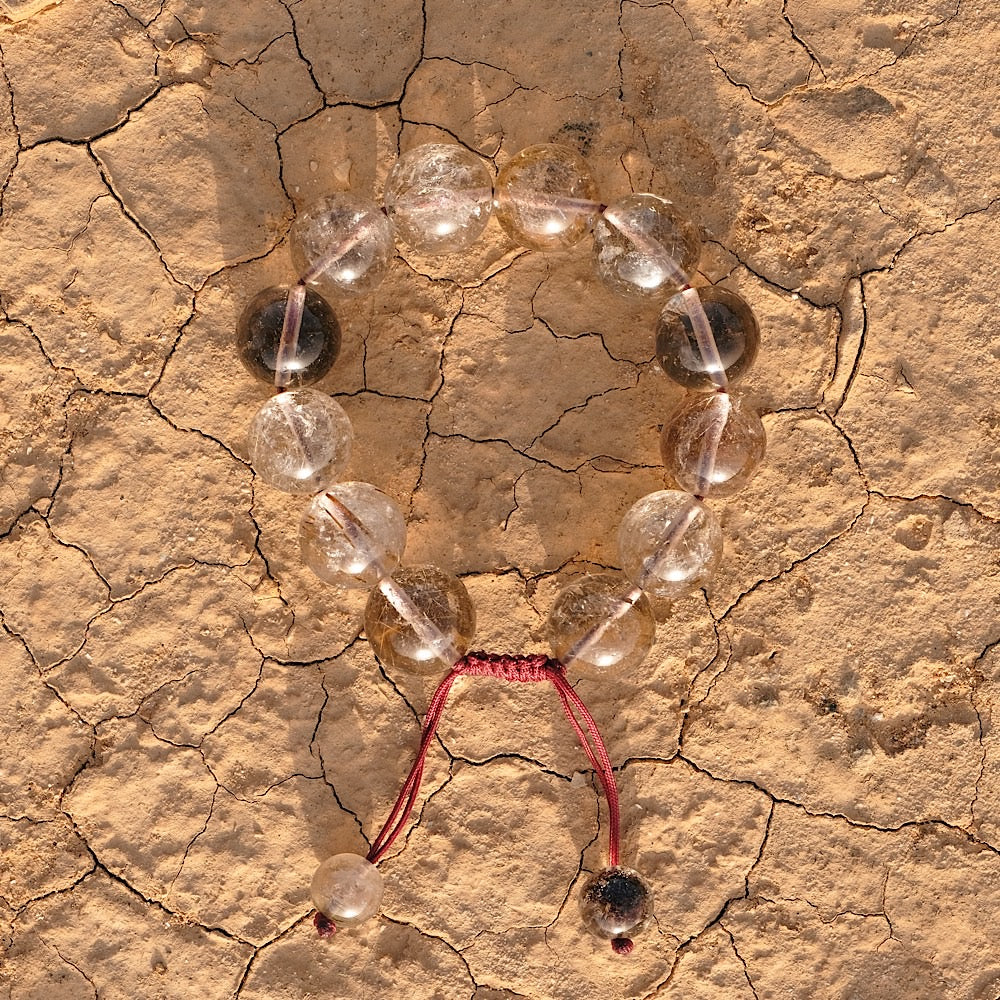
(622, 946)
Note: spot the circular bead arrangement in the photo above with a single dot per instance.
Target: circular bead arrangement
(438, 198)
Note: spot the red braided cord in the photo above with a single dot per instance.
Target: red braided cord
(524, 669)
(598, 754)
(408, 793)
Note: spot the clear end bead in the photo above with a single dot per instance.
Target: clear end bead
(546, 197)
(600, 626)
(352, 535)
(713, 445)
(300, 441)
(669, 543)
(342, 245)
(347, 889)
(439, 197)
(421, 619)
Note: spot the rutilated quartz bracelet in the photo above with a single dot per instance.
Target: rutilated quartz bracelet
(438, 198)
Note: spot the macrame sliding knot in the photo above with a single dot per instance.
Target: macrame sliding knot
(536, 667)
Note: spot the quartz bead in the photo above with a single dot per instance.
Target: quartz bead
(342, 245)
(643, 247)
(300, 441)
(600, 625)
(347, 889)
(669, 543)
(616, 903)
(420, 619)
(712, 445)
(352, 535)
(546, 198)
(733, 327)
(307, 353)
(439, 197)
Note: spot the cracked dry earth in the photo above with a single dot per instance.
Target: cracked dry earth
(808, 761)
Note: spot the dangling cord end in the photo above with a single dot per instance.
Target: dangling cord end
(622, 946)
(596, 753)
(325, 927)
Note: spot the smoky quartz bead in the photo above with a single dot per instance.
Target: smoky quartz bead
(734, 329)
(308, 353)
(616, 903)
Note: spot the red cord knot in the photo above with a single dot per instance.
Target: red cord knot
(526, 668)
(622, 946)
(325, 927)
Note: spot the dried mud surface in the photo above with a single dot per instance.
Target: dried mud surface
(809, 770)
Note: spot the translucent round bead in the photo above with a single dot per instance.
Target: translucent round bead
(300, 441)
(342, 245)
(352, 535)
(309, 352)
(616, 903)
(439, 197)
(347, 889)
(546, 198)
(643, 247)
(734, 328)
(669, 543)
(712, 446)
(599, 626)
(420, 620)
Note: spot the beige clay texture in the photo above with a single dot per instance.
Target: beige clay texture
(190, 722)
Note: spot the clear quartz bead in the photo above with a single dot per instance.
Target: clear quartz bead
(644, 248)
(712, 445)
(420, 619)
(546, 197)
(347, 889)
(288, 337)
(669, 543)
(342, 245)
(734, 332)
(616, 902)
(439, 197)
(352, 535)
(600, 625)
(300, 441)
